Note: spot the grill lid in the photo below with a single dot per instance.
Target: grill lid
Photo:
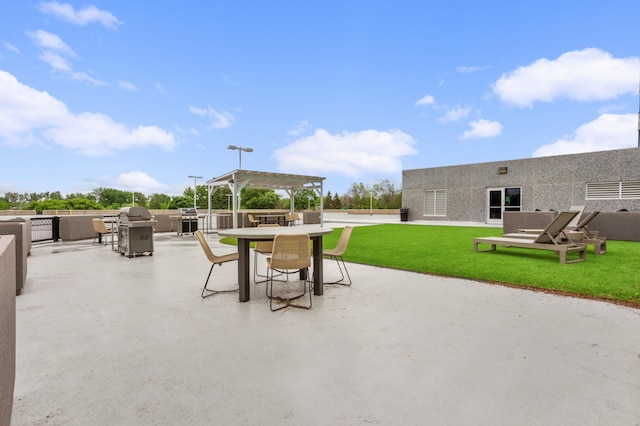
(132, 214)
(188, 211)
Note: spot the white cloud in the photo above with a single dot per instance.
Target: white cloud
(127, 86)
(470, 70)
(351, 154)
(11, 47)
(581, 75)
(219, 120)
(426, 100)
(608, 131)
(455, 114)
(139, 182)
(482, 129)
(55, 61)
(160, 88)
(28, 116)
(82, 17)
(55, 53)
(300, 129)
(50, 41)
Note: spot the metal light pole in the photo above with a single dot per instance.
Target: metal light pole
(240, 149)
(195, 189)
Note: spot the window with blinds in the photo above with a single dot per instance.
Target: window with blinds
(613, 190)
(435, 202)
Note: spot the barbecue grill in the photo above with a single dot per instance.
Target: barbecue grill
(135, 232)
(186, 222)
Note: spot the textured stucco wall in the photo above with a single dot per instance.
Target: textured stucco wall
(21, 230)
(556, 183)
(7, 326)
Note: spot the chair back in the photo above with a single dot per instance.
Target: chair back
(99, 226)
(205, 247)
(575, 220)
(290, 252)
(555, 227)
(584, 222)
(265, 246)
(582, 225)
(343, 242)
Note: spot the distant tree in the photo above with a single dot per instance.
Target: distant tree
(80, 204)
(266, 200)
(328, 201)
(219, 199)
(388, 197)
(80, 195)
(140, 199)
(159, 201)
(39, 206)
(357, 197)
(181, 201)
(306, 198)
(336, 204)
(112, 198)
(4, 204)
(15, 199)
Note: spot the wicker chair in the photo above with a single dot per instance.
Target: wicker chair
(290, 255)
(101, 230)
(337, 254)
(291, 218)
(215, 260)
(264, 248)
(252, 220)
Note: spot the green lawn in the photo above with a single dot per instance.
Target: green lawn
(448, 250)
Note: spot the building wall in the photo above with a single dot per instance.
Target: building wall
(556, 183)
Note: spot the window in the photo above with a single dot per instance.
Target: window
(613, 190)
(435, 202)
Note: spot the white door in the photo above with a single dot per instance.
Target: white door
(500, 200)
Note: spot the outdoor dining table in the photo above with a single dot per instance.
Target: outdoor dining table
(246, 235)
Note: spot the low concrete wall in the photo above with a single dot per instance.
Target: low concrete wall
(511, 221)
(17, 212)
(79, 227)
(7, 326)
(21, 230)
(309, 218)
(623, 226)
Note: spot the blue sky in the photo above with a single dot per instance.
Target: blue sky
(139, 95)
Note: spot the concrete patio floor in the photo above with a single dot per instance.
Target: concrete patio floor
(107, 340)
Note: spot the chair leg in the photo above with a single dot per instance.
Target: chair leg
(288, 301)
(341, 281)
(211, 292)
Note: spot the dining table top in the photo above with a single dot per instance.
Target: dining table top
(267, 233)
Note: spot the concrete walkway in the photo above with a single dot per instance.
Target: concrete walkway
(107, 340)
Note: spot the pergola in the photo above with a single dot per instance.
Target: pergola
(239, 179)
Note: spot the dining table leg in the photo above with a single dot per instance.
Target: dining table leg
(243, 270)
(318, 287)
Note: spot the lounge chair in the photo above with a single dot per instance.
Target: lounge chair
(590, 237)
(552, 237)
(578, 234)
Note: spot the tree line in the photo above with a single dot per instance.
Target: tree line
(360, 196)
